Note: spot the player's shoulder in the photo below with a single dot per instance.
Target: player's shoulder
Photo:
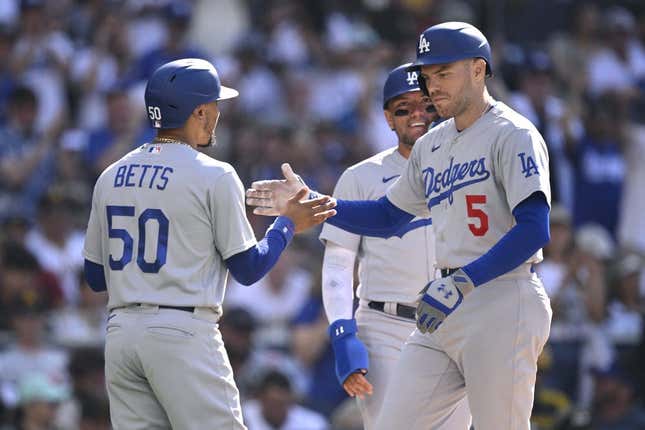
(508, 121)
(212, 166)
(107, 172)
(443, 131)
(375, 161)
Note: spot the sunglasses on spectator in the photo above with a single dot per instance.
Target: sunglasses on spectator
(407, 111)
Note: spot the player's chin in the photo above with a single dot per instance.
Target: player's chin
(416, 132)
(444, 108)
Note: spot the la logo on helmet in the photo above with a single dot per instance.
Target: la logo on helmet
(412, 78)
(424, 45)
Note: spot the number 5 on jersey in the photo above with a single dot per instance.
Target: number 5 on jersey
(480, 228)
(128, 241)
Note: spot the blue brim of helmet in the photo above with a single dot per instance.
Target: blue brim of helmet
(416, 66)
(227, 93)
(395, 95)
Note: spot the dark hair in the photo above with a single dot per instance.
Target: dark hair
(85, 361)
(17, 257)
(22, 95)
(238, 318)
(274, 378)
(94, 408)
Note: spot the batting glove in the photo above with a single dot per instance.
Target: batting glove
(349, 351)
(440, 298)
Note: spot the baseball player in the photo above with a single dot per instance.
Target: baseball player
(483, 175)
(389, 276)
(166, 223)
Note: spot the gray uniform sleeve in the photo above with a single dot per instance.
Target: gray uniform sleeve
(523, 165)
(347, 188)
(408, 192)
(231, 229)
(92, 250)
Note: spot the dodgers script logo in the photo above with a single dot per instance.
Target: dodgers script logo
(441, 185)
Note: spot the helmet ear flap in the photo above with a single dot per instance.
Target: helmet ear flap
(422, 85)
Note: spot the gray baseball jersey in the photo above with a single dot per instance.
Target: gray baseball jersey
(164, 218)
(472, 180)
(394, 269)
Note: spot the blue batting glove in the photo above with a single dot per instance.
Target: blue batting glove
(349, 351)
(440, 298)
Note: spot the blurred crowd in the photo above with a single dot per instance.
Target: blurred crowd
(310, 76)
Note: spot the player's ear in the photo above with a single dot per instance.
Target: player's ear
(199, 112)
(389, 118)
(479, 68)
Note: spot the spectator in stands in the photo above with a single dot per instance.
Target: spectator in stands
(95, 414)
(88, 396)
(311, 347)
(41, 56)
(551, 407)
(20, 277)
(123, 131)
(56, 244)
(620, 67)
(549, 113)
(29, 352)
(576, 340)
(40, 397)
(275, 408)
(624, 323)
(23, 152)
(572, 48)
(274, 300)
(631, 230)
(237, 327)
(599, 166)
(7, 78)
(177, 14)
(98, 68)
(82, 324)
(615, 407)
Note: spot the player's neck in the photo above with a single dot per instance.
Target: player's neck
(405, 150)
(473, 112)
(173, 136)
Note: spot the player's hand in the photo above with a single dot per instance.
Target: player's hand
(270, 197)
(357, 384)
(308, 213)
(440, 298)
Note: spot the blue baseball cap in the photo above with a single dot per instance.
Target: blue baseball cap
(400, 81)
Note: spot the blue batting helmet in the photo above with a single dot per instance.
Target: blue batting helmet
(399, 81)
(175, 89)
(449, 42)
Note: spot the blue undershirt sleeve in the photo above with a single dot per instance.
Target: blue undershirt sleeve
(248, 267)
(94, 276)
(522, 241)
(379, 218)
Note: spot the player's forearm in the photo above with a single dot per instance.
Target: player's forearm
(250, 266)
(379, 218)
(522, 241)
(338, 282)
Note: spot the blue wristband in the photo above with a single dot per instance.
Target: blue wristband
(350, 353)
(285, 226)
